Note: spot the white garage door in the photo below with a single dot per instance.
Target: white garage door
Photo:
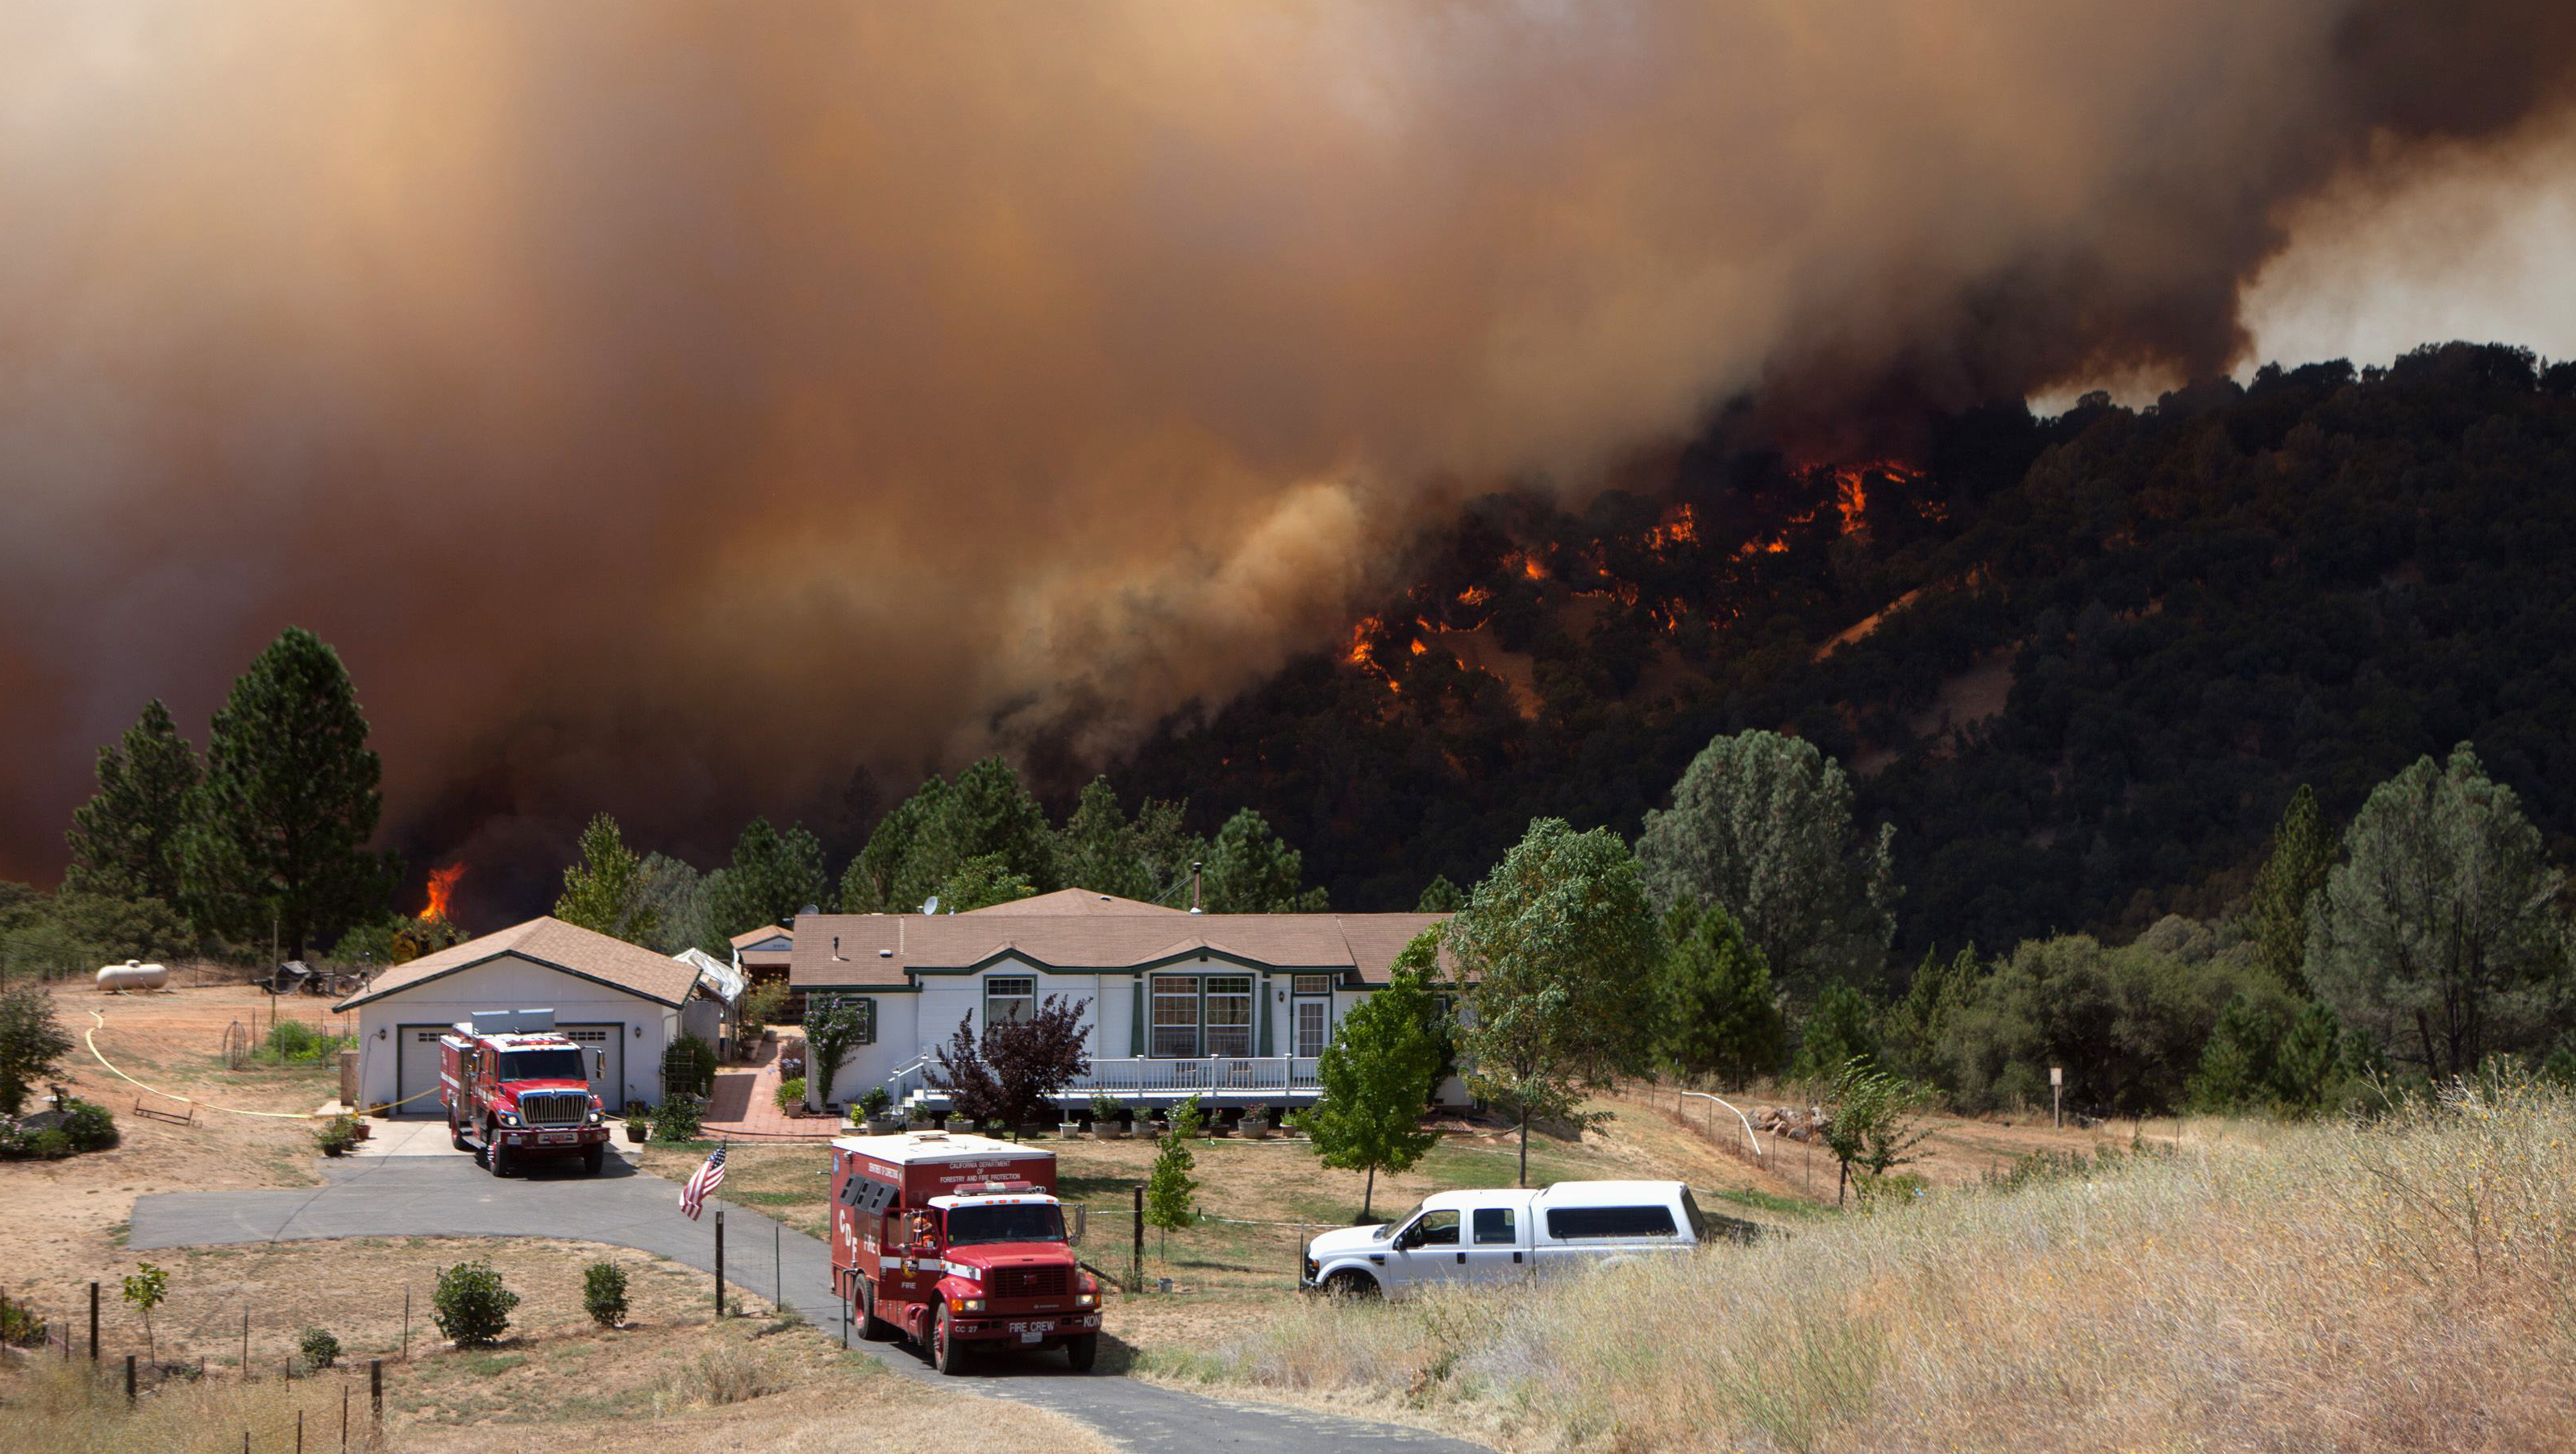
(603, 1053)
(416, 1074)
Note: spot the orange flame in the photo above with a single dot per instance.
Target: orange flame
(1418, 647)
(1474, 596)
(1358, 655)
(1682, 529)
(1530, 565)
(442, 884)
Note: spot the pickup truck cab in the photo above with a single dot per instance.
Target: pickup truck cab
(1506, 1235)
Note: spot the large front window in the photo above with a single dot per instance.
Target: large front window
(1197, 1015)
(1176, 1015)
(1229, 1014)
(1009, 997)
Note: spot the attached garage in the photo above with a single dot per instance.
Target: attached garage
(620, 1002)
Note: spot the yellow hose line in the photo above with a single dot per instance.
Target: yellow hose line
(89, 1038)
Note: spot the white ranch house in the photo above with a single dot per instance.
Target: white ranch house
(1232, 1007)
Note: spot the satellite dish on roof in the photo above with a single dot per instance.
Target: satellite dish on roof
(807, 912)
(930, 905)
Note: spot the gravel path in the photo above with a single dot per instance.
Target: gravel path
(446, 1196)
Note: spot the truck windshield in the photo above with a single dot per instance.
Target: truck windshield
(542, 1065)
(1009, 1222)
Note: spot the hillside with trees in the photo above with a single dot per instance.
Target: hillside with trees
(2079, 665)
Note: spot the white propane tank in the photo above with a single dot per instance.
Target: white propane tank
(132, 975)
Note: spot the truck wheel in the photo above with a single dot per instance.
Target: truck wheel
(1351, 1285)
(593, 1157)
(1082, 1351)
(456, 1136)
(945, 1355)
(497, 1157)
(872, 1329)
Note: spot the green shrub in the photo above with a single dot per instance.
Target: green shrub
(319, 1349)
(876, 1102)
(678, 1119)
(20, 1327)
(337, 1135)
(791, 1092)
(603, 1293)
(291, 1040)
(761, 1009)
(88, 1125)
(471, 1306)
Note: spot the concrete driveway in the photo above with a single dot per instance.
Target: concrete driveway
(438, 1192)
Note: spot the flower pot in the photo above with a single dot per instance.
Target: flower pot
(1256, 1130)
(363, 1129)
(1109, 1130)
(884, 1125)
(638, 1130)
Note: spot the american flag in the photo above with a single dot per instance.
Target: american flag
(709, 1177)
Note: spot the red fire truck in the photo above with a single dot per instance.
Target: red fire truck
(514, 1089)
(958, 1241)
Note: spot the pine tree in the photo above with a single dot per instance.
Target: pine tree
(1440, 896)
(772, 878)
(2235, 1071)
(1250, 870)
(289, 799)
(126, 841)
(2309, 1062)
(1373, 1077)
(2295, 866)
(1840, 1031)
(1170, 1190)
(1716, 1013)
(605, 890)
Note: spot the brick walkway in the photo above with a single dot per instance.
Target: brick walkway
(745, 1102)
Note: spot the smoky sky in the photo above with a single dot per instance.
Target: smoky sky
(671, 408)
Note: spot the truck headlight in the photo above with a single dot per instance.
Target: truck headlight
(965, 1305)
(594, 1118)
(509, 1118)
(1086, 1299)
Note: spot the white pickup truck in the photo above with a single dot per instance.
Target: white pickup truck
(1501, 1236)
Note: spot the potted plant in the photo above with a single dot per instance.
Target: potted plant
(337, 1135)
(877, 1108)
(1256, 1122)
(1108, 1119)
(639, 1121)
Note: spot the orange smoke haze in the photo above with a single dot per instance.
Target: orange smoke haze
(670, 407)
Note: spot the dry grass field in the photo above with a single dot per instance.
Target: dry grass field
(2409, 1285)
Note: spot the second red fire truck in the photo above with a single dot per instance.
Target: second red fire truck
(958, 1242)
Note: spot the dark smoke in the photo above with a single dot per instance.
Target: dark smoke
(671, 408)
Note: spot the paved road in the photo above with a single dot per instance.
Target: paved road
(414, 1196)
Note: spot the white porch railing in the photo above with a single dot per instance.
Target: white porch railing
(1220, 1078)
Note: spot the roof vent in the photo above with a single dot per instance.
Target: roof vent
(885, 954)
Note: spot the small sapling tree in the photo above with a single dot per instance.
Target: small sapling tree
(144, 1290)
(31, 1045)
(1874, 1127)
(1170, 1190)
(834, 1026)
(1373, 1075)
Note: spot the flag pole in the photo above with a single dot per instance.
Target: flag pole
(724, 1149)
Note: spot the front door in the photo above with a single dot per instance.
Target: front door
(1313, 1021)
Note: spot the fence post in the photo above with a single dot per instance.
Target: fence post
(344, 1416)
(719, 1262)
(1137, 1277)
(376, 1389)
(245, 1363)
(93, 1321)
(406, 1322)
(129, 1380)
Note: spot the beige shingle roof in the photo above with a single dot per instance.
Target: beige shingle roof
(1076, 901)
(765, 931)
(555, 944)
(878, 949)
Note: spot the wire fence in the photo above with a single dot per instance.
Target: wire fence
(1210, 1255)
(192, 1341)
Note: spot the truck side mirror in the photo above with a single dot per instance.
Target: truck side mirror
(599, 1065)
(1073, 1233)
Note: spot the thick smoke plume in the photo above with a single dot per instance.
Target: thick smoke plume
(669, 407)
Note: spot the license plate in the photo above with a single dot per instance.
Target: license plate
(557, 1138)
(1033, 1332)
